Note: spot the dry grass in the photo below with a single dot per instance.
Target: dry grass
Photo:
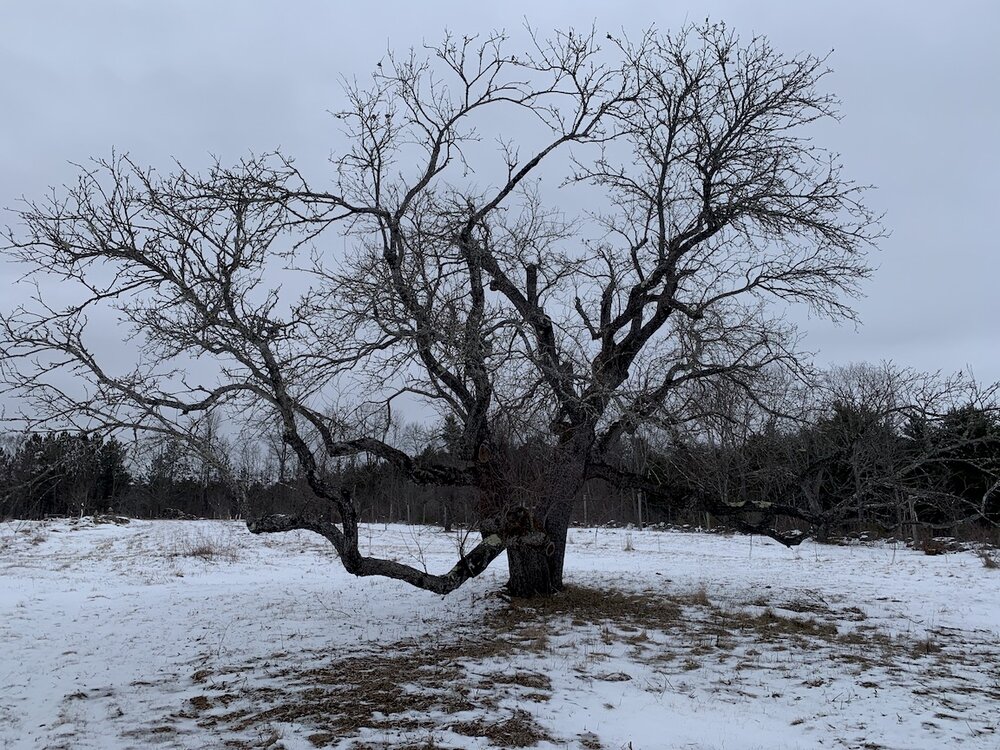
(583, 605)
(990, 560)
(768, 625)
(204, 546)
(518, 730)
(400, 688)
(531, 680)
(420, 689)
(396, 690)
(700, 598)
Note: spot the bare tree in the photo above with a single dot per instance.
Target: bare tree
(468, 282)
(891, 446)
(864, 447)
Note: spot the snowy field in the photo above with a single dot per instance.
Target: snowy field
(196, 634)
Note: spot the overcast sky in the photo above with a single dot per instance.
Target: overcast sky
(920, 84)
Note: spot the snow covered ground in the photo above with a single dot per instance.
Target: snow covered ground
(196, 634)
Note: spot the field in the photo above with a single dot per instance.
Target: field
(195, 634)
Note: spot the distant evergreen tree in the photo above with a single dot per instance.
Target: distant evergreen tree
(64, 473)
(966, 445)
(451, 435)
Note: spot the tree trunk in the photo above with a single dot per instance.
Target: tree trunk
(535, 559)
(532, 572)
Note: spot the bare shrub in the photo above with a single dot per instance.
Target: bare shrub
(205, 546)
(990, 560)
(932, 546)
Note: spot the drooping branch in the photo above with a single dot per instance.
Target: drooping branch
(735, 513)
(469, 565)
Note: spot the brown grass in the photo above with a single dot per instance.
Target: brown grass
(210, 548)
(422, 688)
(768, 625)
(201, 702)
(395, 690)
(583, 605)
(399, 688)
(531, 680)
(519, 730)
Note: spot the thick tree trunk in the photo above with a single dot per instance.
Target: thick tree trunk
(535, 559)
(532, 571)
(535, 533)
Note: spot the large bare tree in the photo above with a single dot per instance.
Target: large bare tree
(563, 243)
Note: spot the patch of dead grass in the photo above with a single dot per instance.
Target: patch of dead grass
(201, 702)
(204, 546)
(769, 625)
(518, 730)
(396, 690)
(531, 680)
(585, 605)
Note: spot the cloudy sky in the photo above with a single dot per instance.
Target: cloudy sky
(920, 84)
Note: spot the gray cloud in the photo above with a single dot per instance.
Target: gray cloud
(184, 79)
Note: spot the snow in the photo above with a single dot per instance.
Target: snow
(191, 634)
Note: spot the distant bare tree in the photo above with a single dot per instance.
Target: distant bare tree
(874, 447)
(464, 284)
(890, 442)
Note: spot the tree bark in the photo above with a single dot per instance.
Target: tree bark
(535, 559)
(533, 570)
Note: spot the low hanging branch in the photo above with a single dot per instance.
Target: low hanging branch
(734, 514)
(345, 542)
(468, 566)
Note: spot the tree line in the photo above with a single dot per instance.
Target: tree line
(882, 451)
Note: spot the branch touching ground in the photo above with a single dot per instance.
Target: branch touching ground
(468, 566)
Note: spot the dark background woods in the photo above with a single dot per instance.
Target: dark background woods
(859, 462)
